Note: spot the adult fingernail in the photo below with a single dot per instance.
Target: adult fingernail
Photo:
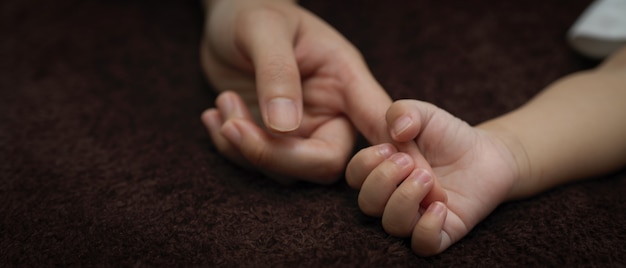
(282, 114)
(209, 120)
(231, 132)
(400, 125)
(227, 104)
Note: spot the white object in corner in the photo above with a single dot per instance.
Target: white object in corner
(600, 30)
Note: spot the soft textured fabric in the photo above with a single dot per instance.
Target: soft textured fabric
(104, 161)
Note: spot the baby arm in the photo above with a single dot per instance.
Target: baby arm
(575, 129)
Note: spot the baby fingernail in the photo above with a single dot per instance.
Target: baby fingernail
(282, 114)
(400, 125)
(422, 176)
(437, 208)
(385, 150)
(400, 159)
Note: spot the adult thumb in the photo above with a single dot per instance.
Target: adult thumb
(266, 36)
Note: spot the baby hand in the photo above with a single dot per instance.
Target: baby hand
(473, 166)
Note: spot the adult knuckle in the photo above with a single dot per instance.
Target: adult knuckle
(260, 156)
(261, 13)
(279, 68)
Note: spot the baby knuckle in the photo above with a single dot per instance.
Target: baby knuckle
(369, 207)
(395, 228)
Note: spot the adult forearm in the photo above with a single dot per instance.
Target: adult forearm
(574, 129)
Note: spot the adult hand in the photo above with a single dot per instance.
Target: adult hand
(310, 84)
(281, 66)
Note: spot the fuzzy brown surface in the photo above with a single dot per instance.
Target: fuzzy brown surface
(104, 161)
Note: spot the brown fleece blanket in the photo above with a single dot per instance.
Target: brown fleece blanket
(104, 161)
